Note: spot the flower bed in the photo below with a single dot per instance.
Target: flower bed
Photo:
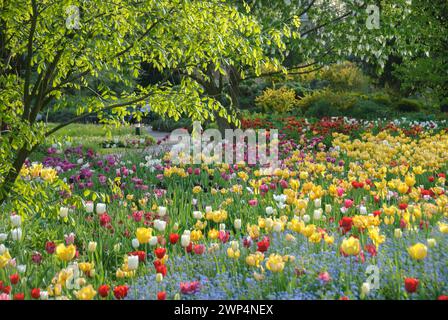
(357, 210)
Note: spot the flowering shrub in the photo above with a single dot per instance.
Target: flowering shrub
(278, 100)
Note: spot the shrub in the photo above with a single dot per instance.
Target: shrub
(278, 100)
(322, 108)
(368, 109)
(337, 100)
(345, 76)
(408, 105)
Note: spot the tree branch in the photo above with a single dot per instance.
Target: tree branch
(26, 86)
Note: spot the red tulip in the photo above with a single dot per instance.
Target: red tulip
(14, 278)
(35, 293)
(411, 284)
(103, 290)
(19, 296)
(120, 292)
(160, 252)
(174, 237)
(161, 295)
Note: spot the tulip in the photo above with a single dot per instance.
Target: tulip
(411, 284)
(135, 243)
(162, 211)
(3, 237)
(159, 277)
(328, 208)
(418, 251)
(398, 233)
(185, 240)
(63, 212)
(65, 253)
(208, 209)
(269, 210)
(306, 218)
(16, 234)
(237, 224)
(197, 215)
(317, 215)
(92, 246)
(153, 241)
(16, 220)
(132, 263)
(160, 225)
(317, 203)
(143, 235)
(100, 208)
(351, 246)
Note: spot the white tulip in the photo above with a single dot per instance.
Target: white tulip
(153, 241)
(306, 218)
(317, 203)
(16, 234)
(92, 246)
(135, 243)
(237, 224)
(317, 214)
(159, 225)
(63, 212)
(16, 220)
(185, 240)
(3, 236)
(222, 226)
(162, 211)
(208, 209)
(398, 233)
(197, 215)
(363, 210)
(2, 249)
(327, 208)
(234, 245)
(269, 210)
(187, 232)
(100, 208)
(117, 247)
(277, 227)
(132, 263)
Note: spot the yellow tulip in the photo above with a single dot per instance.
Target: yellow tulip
(275, 263)
(143, 235)
(351, 246)
(418, 251)
(86, 293)
(65, 253)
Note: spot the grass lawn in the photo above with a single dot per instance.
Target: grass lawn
(92, 136)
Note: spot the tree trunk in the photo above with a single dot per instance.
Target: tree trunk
(12, 174)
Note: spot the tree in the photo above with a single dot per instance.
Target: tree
(52, 48)
(303, 36)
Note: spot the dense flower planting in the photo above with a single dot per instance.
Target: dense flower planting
(357, 210)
